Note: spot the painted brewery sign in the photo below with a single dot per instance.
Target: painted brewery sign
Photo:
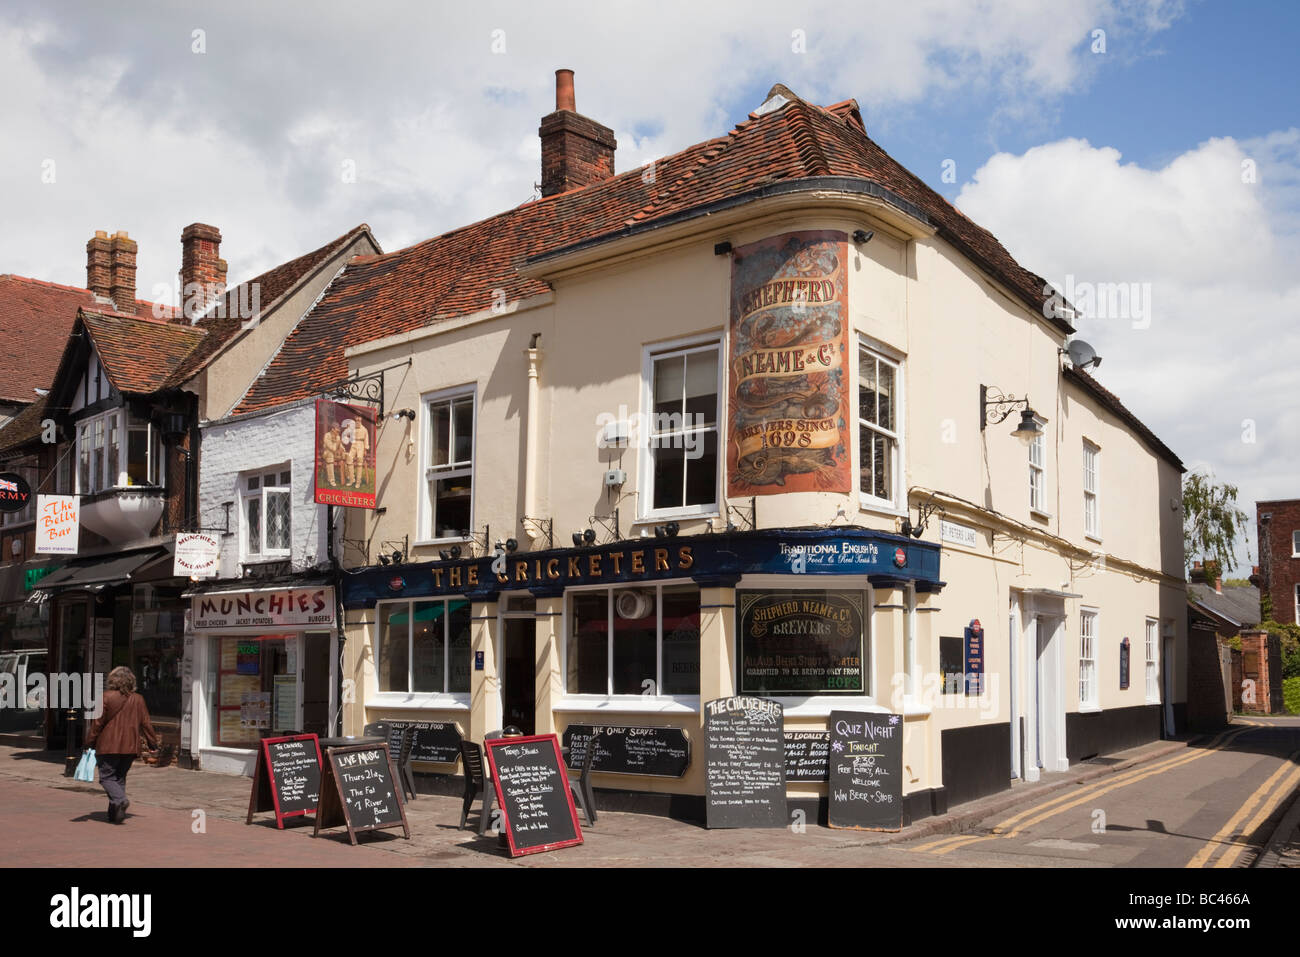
(788, 429)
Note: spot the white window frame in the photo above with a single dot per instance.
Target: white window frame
(426, 532)
(84, 439)
(261, 494)
(1089, 636)
(1092, 490)
(1295, 544)
(1297, 603)
(1152, 661)
(649, 355)
(893, 505)
(573, 701)
(453, 700)
(1038, 471)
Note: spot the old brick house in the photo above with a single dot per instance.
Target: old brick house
(1277, 524)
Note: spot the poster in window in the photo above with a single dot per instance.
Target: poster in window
(345, 454)
(801, 642)
(788, 377)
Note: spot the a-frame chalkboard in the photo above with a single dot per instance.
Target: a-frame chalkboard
(287, 778)
(360, 791)
(533, 793)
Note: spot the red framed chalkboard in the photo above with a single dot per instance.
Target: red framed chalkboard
(287, 777)
(532, 786)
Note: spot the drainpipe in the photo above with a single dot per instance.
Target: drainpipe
(534, 357)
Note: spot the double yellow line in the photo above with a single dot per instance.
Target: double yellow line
(1238, 843)
(1037, 813)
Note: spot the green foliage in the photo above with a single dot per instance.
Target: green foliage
(1236, 582)
(1212, 523)
(1291, 695)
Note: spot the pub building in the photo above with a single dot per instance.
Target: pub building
(708, 427)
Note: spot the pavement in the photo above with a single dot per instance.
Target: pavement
(181, 818)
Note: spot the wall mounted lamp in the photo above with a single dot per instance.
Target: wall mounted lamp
(403, 414)
(862, 236)
(995, 407)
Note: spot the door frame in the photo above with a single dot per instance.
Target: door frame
(499, 647)
(1044, 637)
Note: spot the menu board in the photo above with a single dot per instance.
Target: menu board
(807, 755)
(656, 752)
(287, 778)
(359, 790)
(230, 729)
(744, 756)
(866, 778)
(437, 742)
(532, 786)
(255, 709)
(285, 708)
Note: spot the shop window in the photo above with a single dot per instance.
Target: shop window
(952, 665)
(803, 642)
(1088, 659)
(682, 433)
(634, 641)
(449, 466)
(268, 508)
(257, 688)
(423, 646)
(878, 450)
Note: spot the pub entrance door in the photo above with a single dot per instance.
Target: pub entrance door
(519, 674)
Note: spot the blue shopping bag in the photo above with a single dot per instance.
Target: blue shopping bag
(86, 767)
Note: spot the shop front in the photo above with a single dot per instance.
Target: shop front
(261, 667)
(638, 633)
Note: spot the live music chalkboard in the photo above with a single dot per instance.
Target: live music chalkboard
(866, 774)
(744, 757)
(532, 786)
(807, 755)
(437, 742)
(359, 790)
(656, 752)
(287, 778)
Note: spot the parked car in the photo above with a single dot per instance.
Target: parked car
(28, 714)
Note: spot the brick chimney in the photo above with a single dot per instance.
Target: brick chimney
(576, 151)
(99, 264)
(203, 271)
(1218, 586)
(122, 272)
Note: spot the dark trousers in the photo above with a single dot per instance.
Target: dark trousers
(112, 775)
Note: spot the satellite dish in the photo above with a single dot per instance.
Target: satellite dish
(1081, 354)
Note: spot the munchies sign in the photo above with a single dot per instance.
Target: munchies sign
(274, 607)
(788, 429)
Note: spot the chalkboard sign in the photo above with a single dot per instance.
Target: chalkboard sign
(287, 778)
(744, 756)
(1123, 664)
(437, 742)
(360, 790)
(807, 755)
(657, 752)
(532, 786)
(866, 779)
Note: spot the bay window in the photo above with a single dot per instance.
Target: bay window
(116, 450)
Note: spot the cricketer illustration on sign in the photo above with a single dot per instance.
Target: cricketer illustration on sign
(789, 418)
(345, 454)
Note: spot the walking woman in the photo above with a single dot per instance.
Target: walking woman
(117, 732)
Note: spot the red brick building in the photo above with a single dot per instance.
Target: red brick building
(1278, 527)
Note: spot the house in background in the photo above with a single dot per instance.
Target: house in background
(1217, 613)
(1277, 526)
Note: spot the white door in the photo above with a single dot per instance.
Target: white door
(1167, 661)
(1049, 737)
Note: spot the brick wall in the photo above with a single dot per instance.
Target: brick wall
(576, 152)
(1261, 662)
(1209, 681)
(1279, 572)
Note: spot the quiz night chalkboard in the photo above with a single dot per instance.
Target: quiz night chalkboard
(360, 790)
(532, 786)
(807, 755)
(656, 752)
(866, 774)
(287, 778)
(744, 757)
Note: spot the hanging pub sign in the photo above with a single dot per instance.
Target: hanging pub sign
(788, 367)
(805, 641)
(58, 524)
(1123, 664)
(196, 556)
(15, 493)
(345, 454)
(975, 658)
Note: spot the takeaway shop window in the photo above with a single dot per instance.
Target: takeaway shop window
(257, 688)
(634, 641)
(424, 646)
(803, 642)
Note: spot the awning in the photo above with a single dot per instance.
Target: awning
(97, 573)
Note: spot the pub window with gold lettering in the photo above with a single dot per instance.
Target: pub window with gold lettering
(803, 642)
(423, 647)
(633, 641)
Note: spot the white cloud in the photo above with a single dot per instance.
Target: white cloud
(1216, 361)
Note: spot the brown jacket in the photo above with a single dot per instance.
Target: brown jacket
(119, 726)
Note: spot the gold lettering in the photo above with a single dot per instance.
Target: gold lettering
(521, 571)
(552, 568)
(661, 559)
(684, 557)
(638, 563)
(473, 574)
(617, 559)
(537, 570)
(454, 576)
(574, 570)
(593, 566)
(437, 578)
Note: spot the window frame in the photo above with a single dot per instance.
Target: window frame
(1089, 639)
(455, 700)
(426, 532)
(1295, 543)
(579, 701)
(646, 466)
(1038, 471)
(92, 435)
(881, 353)
(1152, 668)
(1092, 490)
(261, 494)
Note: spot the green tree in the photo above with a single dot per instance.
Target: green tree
(1212, 523)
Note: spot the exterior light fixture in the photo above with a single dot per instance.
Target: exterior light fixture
(862, 236)
(384, 559)
(577, 539)
(455, 551)
(669, 530)
(512, 545)
(397, 558)
(721, 249)
(995, 407)
(444, 554)
(403, 414)
(589, 537)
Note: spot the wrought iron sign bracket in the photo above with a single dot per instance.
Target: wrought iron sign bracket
(363, 388)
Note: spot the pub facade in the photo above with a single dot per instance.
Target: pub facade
(683, 433)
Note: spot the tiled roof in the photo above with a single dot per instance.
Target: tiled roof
(1239, 604)
(35, 319)
(1110, 401)
(24, 427)
(461, 271)
(224, 319)
(140, 355)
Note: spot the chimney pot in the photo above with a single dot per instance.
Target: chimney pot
(1218, 586)
(203, 272)
(576, 150)
(564, 99)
